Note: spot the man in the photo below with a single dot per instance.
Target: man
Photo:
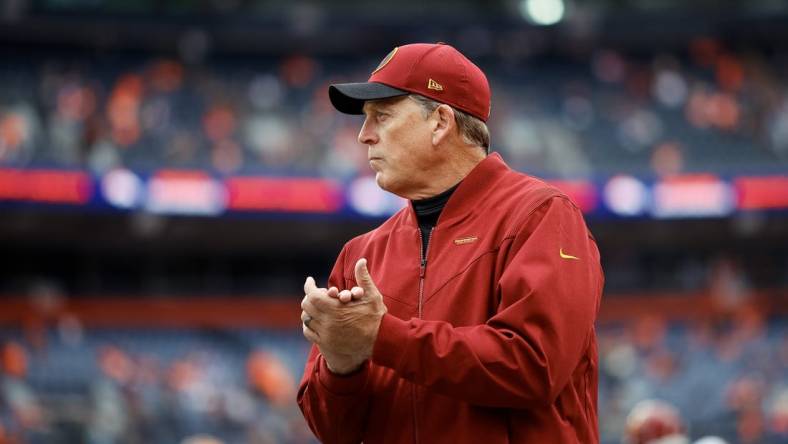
(468, 316)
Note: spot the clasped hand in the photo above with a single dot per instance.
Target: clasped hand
(343, 324)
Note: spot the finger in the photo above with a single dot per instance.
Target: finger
(345, 296)
(309, 285)
(363, 279)
(333, 292)
(308, 304)
(319, 302)
(357, 293)
(309, 322)
(309, 307)
(310, 334)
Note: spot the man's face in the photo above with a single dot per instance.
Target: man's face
(399, 141)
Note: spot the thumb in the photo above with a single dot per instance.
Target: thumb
(309, 285)
(363, 279)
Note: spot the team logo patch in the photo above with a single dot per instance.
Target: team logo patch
(431, 84)
(465, 240)
(386, 60)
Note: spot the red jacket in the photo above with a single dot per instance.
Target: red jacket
(492, 341)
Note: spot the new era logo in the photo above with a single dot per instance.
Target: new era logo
(431, 84)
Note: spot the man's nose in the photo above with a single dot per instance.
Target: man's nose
(367, 135)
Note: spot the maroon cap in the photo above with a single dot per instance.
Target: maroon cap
(437, 71)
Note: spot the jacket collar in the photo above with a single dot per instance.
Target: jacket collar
(473, 189)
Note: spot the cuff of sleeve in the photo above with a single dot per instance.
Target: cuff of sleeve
(391, 342)
(342, 384)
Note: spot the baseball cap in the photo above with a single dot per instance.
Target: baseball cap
(434, 70)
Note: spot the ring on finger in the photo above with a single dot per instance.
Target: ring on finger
(307, 319)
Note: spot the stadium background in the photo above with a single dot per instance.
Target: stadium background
(171, 171)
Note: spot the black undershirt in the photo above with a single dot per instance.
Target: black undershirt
(427, 212)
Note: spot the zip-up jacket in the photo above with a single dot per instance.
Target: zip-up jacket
(489, 338)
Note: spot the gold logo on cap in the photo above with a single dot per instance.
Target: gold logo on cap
(431, 84)
(386, 60)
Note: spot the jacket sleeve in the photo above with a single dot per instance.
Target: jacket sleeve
(333, 405)
(549, 290)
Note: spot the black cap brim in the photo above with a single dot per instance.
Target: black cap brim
(349, 98)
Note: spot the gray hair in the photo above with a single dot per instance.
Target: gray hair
(473, 130)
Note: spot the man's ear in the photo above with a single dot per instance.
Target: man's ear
(443, 123)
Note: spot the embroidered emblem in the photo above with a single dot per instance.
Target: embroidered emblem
(386, 60)
(465, 240)
(566, 256)
(431, 84)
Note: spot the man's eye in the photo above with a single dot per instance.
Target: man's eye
(382, 116)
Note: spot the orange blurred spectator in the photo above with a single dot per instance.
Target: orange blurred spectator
(16, 393)
(730, 73)
(727, 285)
(662, 366)
(709, 109)
(219, 123)
(14, 360)
(183, 374)
(116, 365)
(75, 102)
(271, 377)
(704, 51)
(750, 426)
(648, 332)
(166, 75)
(298, 71)
(13, 133)
(123, 109)
(667, 159)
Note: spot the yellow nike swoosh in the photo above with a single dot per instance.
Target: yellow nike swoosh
(567, 256)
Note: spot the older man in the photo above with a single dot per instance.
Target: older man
(468, 316)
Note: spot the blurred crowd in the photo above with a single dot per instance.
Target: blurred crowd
(724, 374)
(727, 378)
(709, 108)
(164, 387)
(663, 379)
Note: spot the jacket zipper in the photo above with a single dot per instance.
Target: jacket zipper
(422, 272)
(423, 269)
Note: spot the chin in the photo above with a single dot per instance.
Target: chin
(390, 187)
(381, 180)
